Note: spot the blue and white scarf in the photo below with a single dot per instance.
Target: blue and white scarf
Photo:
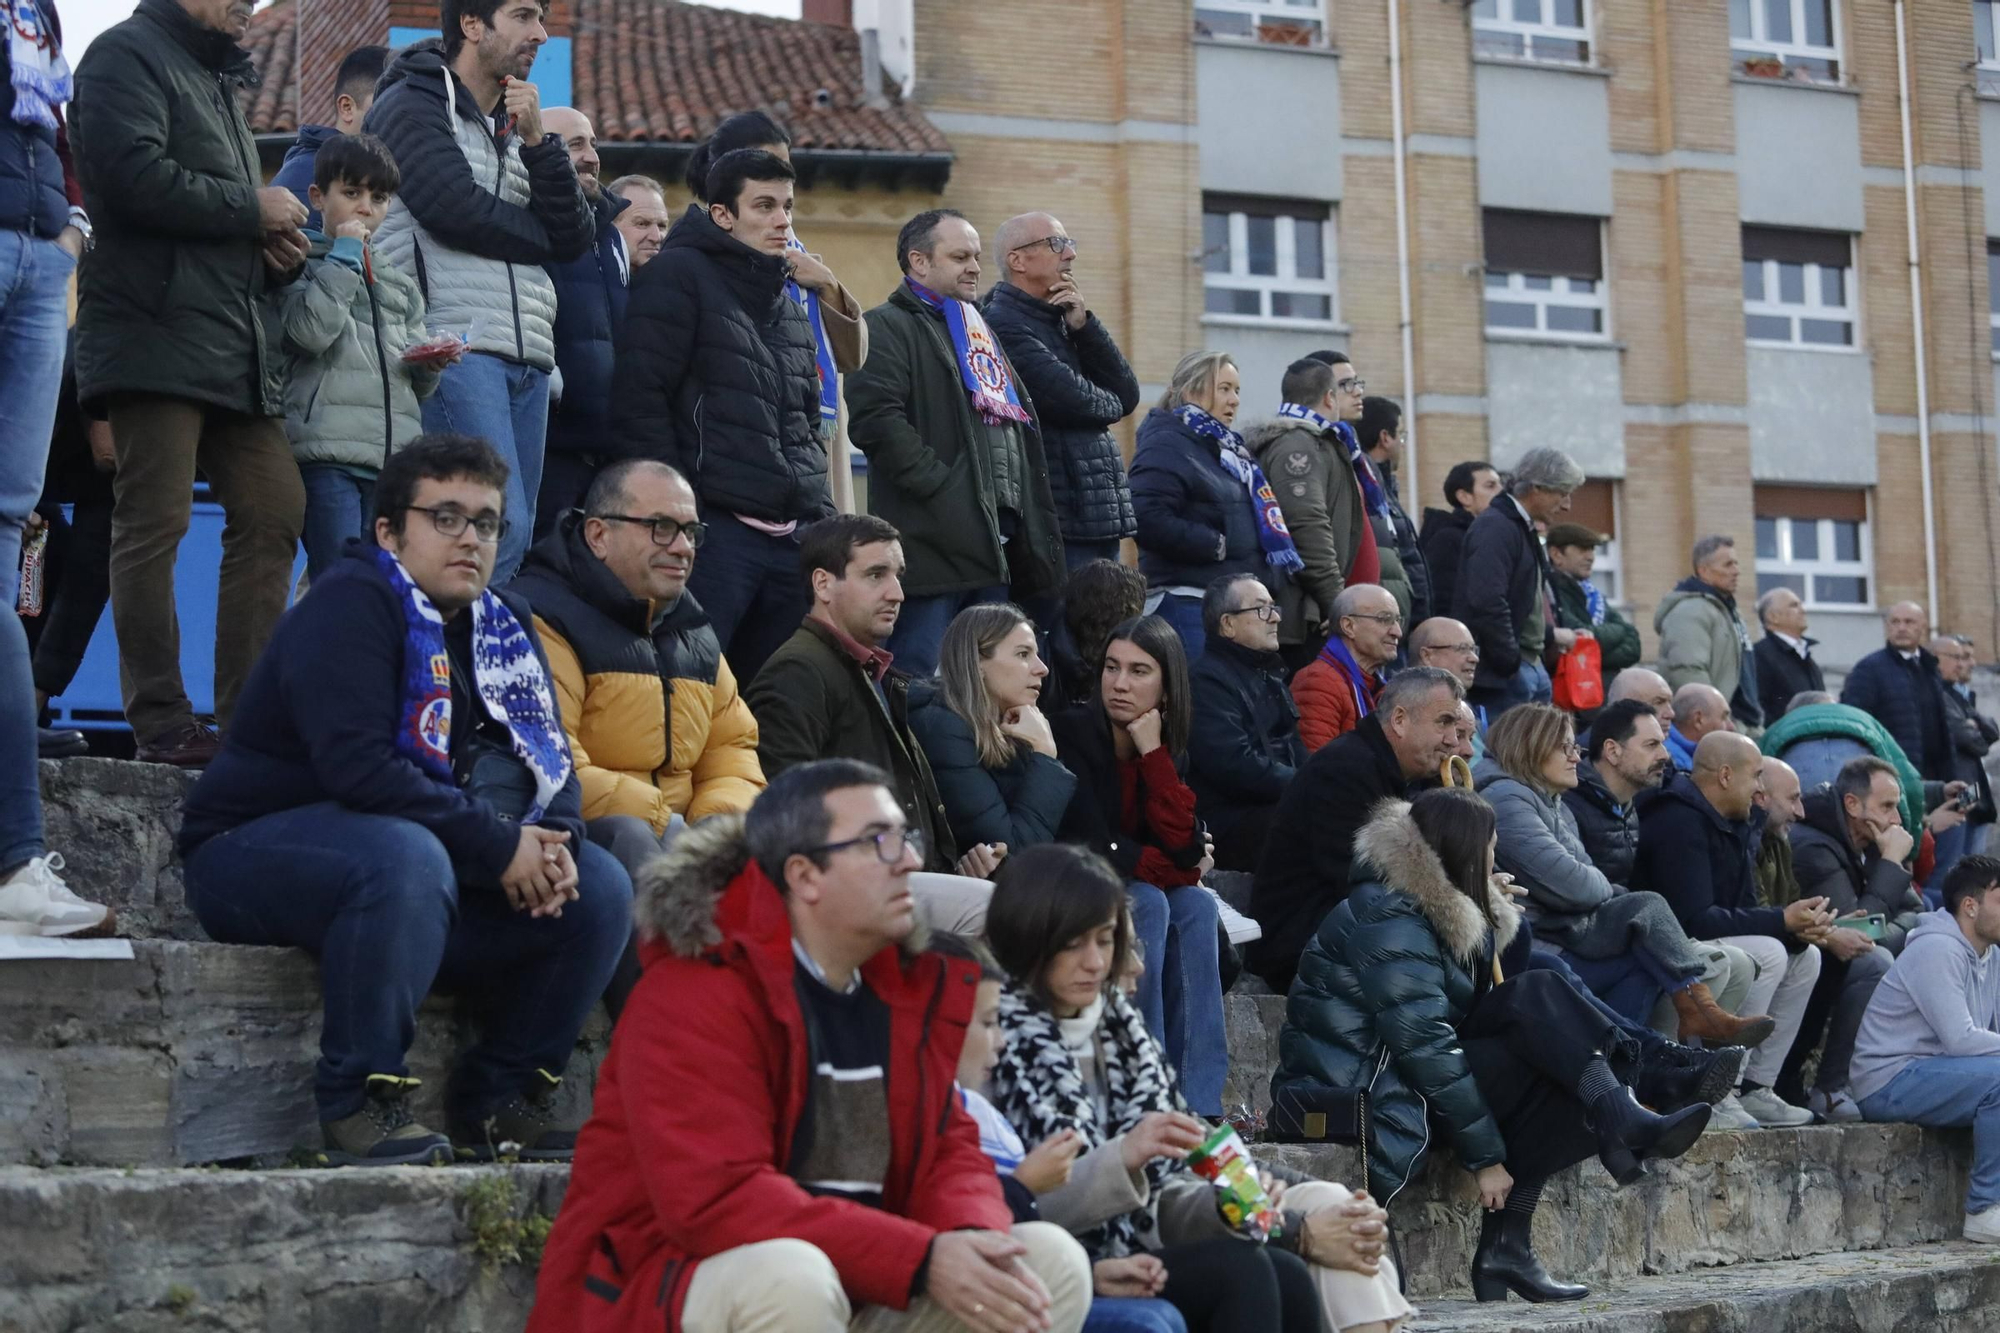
(829, 380)
(1593, 601)
(506, 672)
(1272, 534)
(1373, 498)
(980, 363)
(35, 64)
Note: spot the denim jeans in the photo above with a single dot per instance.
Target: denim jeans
(339, 505)
(750, 585)
(1528, 685)
(1946, 1091)
(1082, 553)
(1132, 1314)
(1180, 992)
(921, 626)
(34, 277)
(506, 404)
(375, 898)
(1184, 614)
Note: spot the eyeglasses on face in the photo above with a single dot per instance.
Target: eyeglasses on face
(665, 530)
(1264, 611)
(888, 844)
(1057, 245)
(1379, 617)
(1356, 385)
(489, 528)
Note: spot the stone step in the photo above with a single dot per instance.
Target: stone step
(188, 1053)
(1953, 1288)
(114, 823)
(444, 1250)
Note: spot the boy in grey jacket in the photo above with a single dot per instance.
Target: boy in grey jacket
(346, 325)
(1929, 1046)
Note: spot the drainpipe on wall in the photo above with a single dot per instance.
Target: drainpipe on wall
(1905, 95)
(1402, 247)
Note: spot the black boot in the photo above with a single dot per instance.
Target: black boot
(1672, 1077)
(1628, 1134)
(1505, 1260)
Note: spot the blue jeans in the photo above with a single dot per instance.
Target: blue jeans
(1082, 553)
(34, 276)
(1184, 614)
(1946, 1091)
(1528, 685)
(506, 404)
(375, 898)
(1132, 1314)
(339, 505)
(750, 585)
(1180, 992)
(921, 626)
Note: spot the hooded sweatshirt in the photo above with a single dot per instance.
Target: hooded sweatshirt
(1940, 998)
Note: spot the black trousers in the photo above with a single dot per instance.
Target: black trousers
(1227, 1286)
(76, 584)
(1528, 1040)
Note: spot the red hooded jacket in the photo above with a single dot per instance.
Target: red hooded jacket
(696, 1106)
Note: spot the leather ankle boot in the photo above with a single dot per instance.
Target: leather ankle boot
(1505, 1260)
(1671, 1077)
(1700, 1016)
(1628, 1134)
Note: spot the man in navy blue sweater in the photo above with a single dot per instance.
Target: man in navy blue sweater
(347, 815)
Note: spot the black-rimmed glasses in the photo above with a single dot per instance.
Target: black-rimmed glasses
(665, 530)
(1264, 611)
(1056, 244)
(889, 844)
(489, 528)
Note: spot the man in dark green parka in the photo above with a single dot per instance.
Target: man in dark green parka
(1579, 605)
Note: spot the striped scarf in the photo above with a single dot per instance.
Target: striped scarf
(1272, 534)
(829, 379)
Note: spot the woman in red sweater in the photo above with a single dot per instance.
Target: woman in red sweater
(1131, 805)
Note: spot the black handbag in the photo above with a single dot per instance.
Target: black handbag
(1319, 1114)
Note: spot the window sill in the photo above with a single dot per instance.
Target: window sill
(1822, 349)
(1282, 325)
(1539, 62)
(1248, 44)
(1538, 338)
(1845, 86)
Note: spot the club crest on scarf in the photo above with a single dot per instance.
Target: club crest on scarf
(36, 68)
(1272, 534)
(980, 364)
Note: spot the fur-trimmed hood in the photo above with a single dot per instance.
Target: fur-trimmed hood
(1390, 844)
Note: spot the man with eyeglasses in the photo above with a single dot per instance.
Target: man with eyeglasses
(1079, 382)
(1503, 584)
(781, 1144)
(1338, 688)
(660, 736)
(1243, 745)
(397, 798)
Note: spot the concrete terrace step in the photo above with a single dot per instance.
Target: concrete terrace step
(1912, 1289)
(114, 823)
(378, 1251)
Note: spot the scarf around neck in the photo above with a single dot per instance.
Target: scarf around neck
(506, 673)
(36, 66)
(829, 379)
(980, 363)
(1272, 534)
(1372, 496)
(1336, 653)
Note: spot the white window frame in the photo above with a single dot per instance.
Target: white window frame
(1609, 562)
(1240, 278)
(1755, 45)
(1992, 8)
(1517, 292)
(1547, 29)
(1993, 290)
(1814, 308)
(1825, 566)
(1258, 11)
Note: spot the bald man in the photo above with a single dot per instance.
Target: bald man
(1899, 685)
(1696, 851)
(1648, 687)
(1446, 643)
(1338, 688)
(1698, 710)
(1077, 377)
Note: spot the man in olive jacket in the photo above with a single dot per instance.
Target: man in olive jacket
(1579, 605)
(169, 340)
(960, 474)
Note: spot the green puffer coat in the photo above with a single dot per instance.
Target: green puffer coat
(1380, 993)
(349, 396)
(1818, 721)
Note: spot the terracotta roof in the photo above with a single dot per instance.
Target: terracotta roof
(658, 71)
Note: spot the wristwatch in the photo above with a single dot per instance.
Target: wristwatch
(81, 221)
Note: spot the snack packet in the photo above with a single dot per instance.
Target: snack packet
(1223, 1161)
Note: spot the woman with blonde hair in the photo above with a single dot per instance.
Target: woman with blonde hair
(1203, 505)
(981, 726)
(1531, 758)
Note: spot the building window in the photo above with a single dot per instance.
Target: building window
(1785, 39)
(1544, 276)
(1595, 505)
(1278, 22)
(1268, 260)
(1532, 29)
(1814, 540)
(1798, 287)
(1993, 292)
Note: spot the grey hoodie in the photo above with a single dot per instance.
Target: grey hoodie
(1940, 998)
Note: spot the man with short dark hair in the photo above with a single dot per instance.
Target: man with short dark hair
(1628, 755)
(1929, 1046)
(1381, 432)
(1786, 667)
(1077, 378)
(1972, 733)
(790, 1032)
(1339, 687)
(645, 221)
(717, 374)
(1402, 744)
(1503, 584)
(955, 457)
(353, 94)
(1572, 552)
(349, 816)
(1899, 686)
(1468, 488)
(489, 198)
(1243, 742)
(1703, 639)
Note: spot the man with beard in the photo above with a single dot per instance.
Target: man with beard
(1627, 755)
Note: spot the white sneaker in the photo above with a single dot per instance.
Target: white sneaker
(35, 901)
(1773, 1111)
(1836, 1108)
(1984, 1227)
(1240, 928)
(1729, 1114)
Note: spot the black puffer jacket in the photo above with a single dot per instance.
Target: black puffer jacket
(1442, 540)
(33, 192)
(1082, 387)
(716, 376)
(1609, 831)
(1196, 520)
(1409, 548)
(590, 305)
(1852, 879)
(1501, 575)
(1243, 744)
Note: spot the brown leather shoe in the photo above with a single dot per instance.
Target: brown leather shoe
(1700, 1016)
(191, 746)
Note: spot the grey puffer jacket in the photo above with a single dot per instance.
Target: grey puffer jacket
(1538, 846)
(477, 216)
(350, 398)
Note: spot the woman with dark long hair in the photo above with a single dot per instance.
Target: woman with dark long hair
(1418, 988)
(1127, 749)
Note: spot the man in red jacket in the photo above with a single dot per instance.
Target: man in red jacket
(776, 1142)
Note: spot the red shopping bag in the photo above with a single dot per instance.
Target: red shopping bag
(1579, 682)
